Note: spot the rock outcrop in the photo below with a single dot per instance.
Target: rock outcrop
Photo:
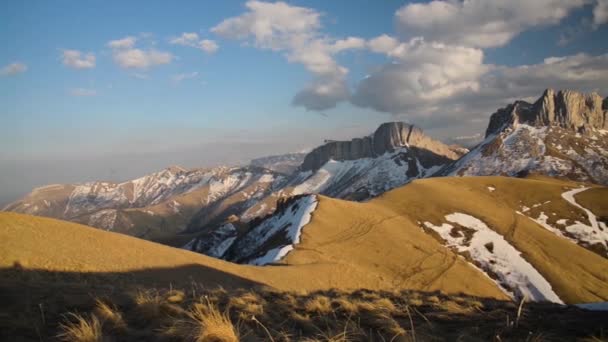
(567, 109)
(563, 134)
(387, 138)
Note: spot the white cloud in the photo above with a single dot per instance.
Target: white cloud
(480, 23)
(127, 56)
(78, 60)
(142, 59)
(186, 76)
(187, 38)
(437, 84)
(273, 25)
(124, 43)
(192, 39)
(82, 92)
(421, 74)
(207, 45)
(13, 69)
(600, 13)
(296, 32)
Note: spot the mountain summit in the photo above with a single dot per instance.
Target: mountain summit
(388, 138)
(563, 134)
(567, 109)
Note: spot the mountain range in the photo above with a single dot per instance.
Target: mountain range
(390, 236)
(562, 134)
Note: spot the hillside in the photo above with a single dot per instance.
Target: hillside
(475, 240)
(381, 244)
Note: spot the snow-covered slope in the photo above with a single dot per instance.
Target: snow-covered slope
(592, 234)
(163, 202)
(393, 155)
(362, 178)
(266, 240)
(520, 140)
(494, 255)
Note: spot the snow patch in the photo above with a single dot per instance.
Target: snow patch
(289, 223)
(495, 254)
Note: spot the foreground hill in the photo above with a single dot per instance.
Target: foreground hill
(478, 241)
(540, 238)
(409, 238)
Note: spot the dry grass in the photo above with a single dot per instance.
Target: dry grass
(109, 315)
(212, 325)
(81, 329)
(261, 315)
(320, 305)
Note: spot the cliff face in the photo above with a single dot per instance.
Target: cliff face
(566, 109)
(388, 137)
(563, 134)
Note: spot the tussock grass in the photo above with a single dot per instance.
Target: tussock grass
(109, 315)
(212, 325)
(319, 305)
(80, 328)
(218, 315)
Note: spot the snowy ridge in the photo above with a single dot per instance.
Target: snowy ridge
(173, 192)
(493, 253)
(368, 176)
(216, 243)
(553, 151)
(275, 236)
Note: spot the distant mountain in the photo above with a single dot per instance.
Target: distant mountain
(175, 200)
(157, 205)
(563, 134)
(393, 155)
(283, 163)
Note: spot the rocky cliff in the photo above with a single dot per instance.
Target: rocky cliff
(566, 109)
(563, 134)
(387, 138)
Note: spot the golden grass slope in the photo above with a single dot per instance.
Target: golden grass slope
(375, 245)
(575, 273)
(42, 244)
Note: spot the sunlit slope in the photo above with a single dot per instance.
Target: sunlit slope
(509, 207)
(363, 240)
(396, 260)
(386, 243)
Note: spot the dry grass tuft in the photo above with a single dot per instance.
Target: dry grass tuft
(247, 305)
(81, 329)
(319, 304)
(149, 304)
(109, 315)
(212, 325)
(175, 296)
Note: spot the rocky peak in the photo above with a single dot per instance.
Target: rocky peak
(387, 138)
(566, 108)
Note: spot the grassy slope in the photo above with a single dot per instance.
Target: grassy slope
(375, 245)
(58, 246)
(576, 274)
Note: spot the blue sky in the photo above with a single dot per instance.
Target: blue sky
(324, 69)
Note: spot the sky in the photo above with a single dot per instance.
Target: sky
(112, 90)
